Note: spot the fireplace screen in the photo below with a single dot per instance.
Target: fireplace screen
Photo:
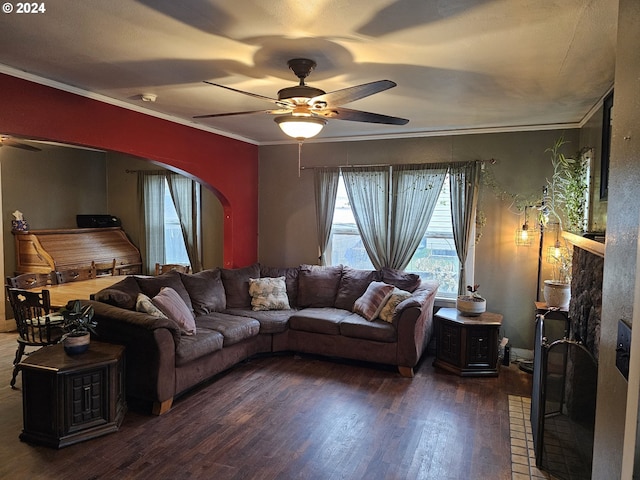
(563, 407)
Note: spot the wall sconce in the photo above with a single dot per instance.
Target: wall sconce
(524, 234)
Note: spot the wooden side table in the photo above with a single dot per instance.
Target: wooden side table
(467, 346)
(68, 399)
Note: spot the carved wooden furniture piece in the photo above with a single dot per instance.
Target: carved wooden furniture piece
(74, 275)
(44, 251)
(36, 326)
(100, 269)
(70, 398)
(467, 346)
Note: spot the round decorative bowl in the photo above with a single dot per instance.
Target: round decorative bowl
(471, 306)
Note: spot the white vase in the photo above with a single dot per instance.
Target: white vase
(471, 306)
(557, 294)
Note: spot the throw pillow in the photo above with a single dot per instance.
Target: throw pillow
(172, 305)
(389, 309)
(290, 275)
(373, 299)
(145, 305)
(122, 294)
(205, 291)
(268, 293)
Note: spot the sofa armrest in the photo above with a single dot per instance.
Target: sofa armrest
(414, 322)
(150, 349)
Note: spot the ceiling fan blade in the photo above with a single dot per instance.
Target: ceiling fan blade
(350, 94)
(250, 112)
(254, 95)
(23, 146)
(341, 113)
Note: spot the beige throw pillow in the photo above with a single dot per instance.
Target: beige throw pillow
(268, 293)
(388, 311)
(145, 305)
(372, 300)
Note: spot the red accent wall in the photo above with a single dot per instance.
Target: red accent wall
(229, 167)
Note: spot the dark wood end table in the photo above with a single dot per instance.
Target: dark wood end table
(467, 346)
(68, 399)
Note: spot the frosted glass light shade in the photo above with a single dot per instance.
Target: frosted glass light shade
(300, 127)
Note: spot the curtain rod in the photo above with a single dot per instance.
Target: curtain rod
(491, 161)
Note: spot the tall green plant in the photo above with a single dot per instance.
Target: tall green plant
(567, 188)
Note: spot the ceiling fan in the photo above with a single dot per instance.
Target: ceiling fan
(9, 142)
(303, 109)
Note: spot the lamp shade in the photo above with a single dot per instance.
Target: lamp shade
(524, 236)
(300, 127)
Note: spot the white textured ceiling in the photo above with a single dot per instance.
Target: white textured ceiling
(460, 65)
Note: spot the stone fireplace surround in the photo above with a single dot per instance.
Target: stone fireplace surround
(563, 397)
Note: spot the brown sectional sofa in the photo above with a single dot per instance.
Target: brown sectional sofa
(162, 362)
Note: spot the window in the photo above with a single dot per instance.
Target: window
(175, 250)
(435, 258)
(171, 206)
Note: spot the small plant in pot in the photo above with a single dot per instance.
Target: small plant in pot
(472, 304)
(78, 326)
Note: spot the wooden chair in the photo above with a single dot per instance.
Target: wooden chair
(75, 274)
(30, 280)
(36, 326)
(168, 267)
(129, 268)
(104, 269)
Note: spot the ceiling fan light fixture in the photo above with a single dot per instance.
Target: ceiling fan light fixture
(299, 127)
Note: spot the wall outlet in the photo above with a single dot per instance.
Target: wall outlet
(623, 348)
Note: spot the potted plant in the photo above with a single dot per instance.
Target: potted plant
(78, 326)
(472, 304)
(557, 291)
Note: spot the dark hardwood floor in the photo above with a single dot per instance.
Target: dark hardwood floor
(286, 417)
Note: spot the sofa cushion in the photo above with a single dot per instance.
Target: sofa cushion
(355, 326)
(172, 305)
(151, 286)
(353, 284)
(233, 328)
(318, 285)
(401, 279)
(269, 293)
(290, 275)
(204, 342)
(372, 300)
(388, 311)
(145, 305)
(122, 294)
(206, 291)
(318, 320)
(236, 285)
(271, 321)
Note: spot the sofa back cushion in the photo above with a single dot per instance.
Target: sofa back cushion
(206, 291)
(353, 284)
(290, 275)
(318, 285)
(236, 285)
(401, 279)
(151, 286)
(122, 294)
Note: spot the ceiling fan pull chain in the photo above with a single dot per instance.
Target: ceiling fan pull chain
(299, 155)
